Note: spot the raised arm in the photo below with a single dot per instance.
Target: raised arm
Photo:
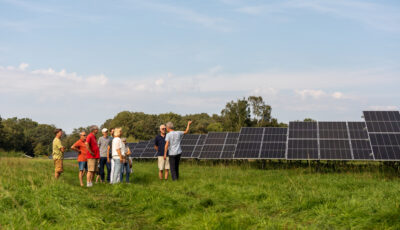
(188, 127)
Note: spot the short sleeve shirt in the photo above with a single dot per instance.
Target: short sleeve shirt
(82, 156)
(160, 143)
(116, 144)
(91, 139)
(174, 138)
(110, 144)
(103, 145)
(57, 153)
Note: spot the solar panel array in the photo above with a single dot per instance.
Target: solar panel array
(378, 138)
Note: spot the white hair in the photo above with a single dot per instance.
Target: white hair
(170, 125)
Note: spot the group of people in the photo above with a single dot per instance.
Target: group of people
(111, 152)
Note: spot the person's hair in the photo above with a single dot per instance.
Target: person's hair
(93, 127)
(123, 139)
(56, 131)
(162, 125)
(170, 125)
(117, 132)
(81, 133)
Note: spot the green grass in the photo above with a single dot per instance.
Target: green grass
(206, 197)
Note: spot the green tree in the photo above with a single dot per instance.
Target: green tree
(215, 127)
(236, 115)
(260, 110)
(309, 120)
(2, 136)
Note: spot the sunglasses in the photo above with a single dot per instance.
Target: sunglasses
(163, 129)
(83, 135)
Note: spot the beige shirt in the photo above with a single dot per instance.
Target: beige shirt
(57, 153)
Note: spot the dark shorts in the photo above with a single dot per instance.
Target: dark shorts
(82, 165)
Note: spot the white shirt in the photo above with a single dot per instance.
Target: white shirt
(174, 138)
(117, 144)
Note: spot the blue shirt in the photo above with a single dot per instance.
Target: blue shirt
(160, 143)
(174, 139)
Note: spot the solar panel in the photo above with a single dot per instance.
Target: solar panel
(249, 143)
(214, 143)
(334, 141)
(188, 144)
(149, 151)
(199, 146)
(139, 148)
(303, 141)
(71, 155)
(360, 143)
(229, 148)
(384, 133)
(274, 143)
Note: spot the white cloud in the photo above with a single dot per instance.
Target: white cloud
(304, 94)
(338, 95)
(37, 91)
(23, 66)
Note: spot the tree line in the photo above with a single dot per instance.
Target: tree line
(32, 138)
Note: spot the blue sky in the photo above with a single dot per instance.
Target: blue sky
(77, 63)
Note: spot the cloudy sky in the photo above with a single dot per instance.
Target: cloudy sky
(77, 63)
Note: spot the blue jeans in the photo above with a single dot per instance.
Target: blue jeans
(82, 165)
(103, 162)
(108, 170)
(125, 167)
(116, 171)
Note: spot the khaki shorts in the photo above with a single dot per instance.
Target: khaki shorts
(92, 165)
(163, 164)
(58, 165)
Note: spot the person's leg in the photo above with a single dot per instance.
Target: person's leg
(172, 167)
(177, 160)
(121, 177)
(160, 166)
(128, 172)
(108, 165)
(116, 171)
(101, 170)
(91, 170)
(112, 171)
(167, 167)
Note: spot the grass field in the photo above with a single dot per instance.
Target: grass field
(206, 197)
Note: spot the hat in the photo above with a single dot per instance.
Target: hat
(104, 130)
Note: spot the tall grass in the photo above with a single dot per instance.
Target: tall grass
(218, 196)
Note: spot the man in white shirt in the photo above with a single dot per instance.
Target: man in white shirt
(173, 147)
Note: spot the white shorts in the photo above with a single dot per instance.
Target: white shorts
(163, 164)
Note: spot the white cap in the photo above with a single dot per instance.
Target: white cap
(104, 130)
